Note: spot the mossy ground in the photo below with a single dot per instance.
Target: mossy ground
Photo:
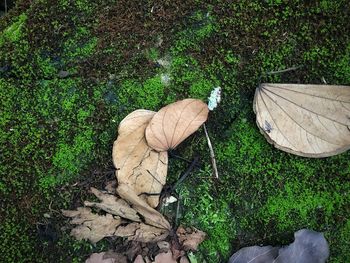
(56, 133)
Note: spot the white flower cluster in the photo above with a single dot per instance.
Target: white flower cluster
(215, 98)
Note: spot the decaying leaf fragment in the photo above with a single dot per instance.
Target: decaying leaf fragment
(174, 123)
(306, 120)
(151, 216)
(113, 205)
(142, 232)
(138, 165)
(190, 238)
(91, 226)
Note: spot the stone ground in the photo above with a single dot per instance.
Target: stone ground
(70, 71)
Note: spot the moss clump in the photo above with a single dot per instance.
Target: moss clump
(13, 33)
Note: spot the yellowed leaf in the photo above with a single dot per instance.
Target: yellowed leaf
(91, 226)
(174, 123)
(138, 165)
(142, 232)
(306, 120)
(113, 205)
(151, 216)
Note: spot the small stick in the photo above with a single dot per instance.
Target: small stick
(5, 6)
(212, 155)
(283, 70)
(177, 211)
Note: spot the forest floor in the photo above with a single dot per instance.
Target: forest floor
(70, 71)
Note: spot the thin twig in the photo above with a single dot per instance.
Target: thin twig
(283, 70)
(212, 155)
(177, 210)
(5, 6)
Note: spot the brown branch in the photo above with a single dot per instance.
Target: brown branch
(212, 155)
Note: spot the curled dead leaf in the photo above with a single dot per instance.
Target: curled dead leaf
(113, 205)
(190, 238)
(174, 123)
(138, 165)
(306, 120)
(91, 226)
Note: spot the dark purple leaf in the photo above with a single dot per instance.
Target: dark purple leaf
(255, 254)
(309, 247)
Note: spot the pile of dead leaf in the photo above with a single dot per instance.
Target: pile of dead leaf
(141, 161)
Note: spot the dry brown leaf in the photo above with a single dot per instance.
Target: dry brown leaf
(113, 205)
(118, 257)
(190, 238)
(111, 187)
(141, 232)
(91, 226)
(164, 258)
(99, 258)
(138, 165)
(306, 120)
(184, 259)
(139, 259)
(163, 246)
(151, 216)
(175, 122)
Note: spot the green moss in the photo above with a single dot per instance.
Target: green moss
(80, 46)
(203, 26)
(13, 33)
(146, 95)
(211, 214)
(16, 245)
(340, 246)
(341, 67)
(46, 67)
(308, 207)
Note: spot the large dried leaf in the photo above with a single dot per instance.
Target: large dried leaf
(175, 122)
(91, 226)
(306, 120)
(113, 205)
(151, 216)
(142, 232)
(138, 165)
